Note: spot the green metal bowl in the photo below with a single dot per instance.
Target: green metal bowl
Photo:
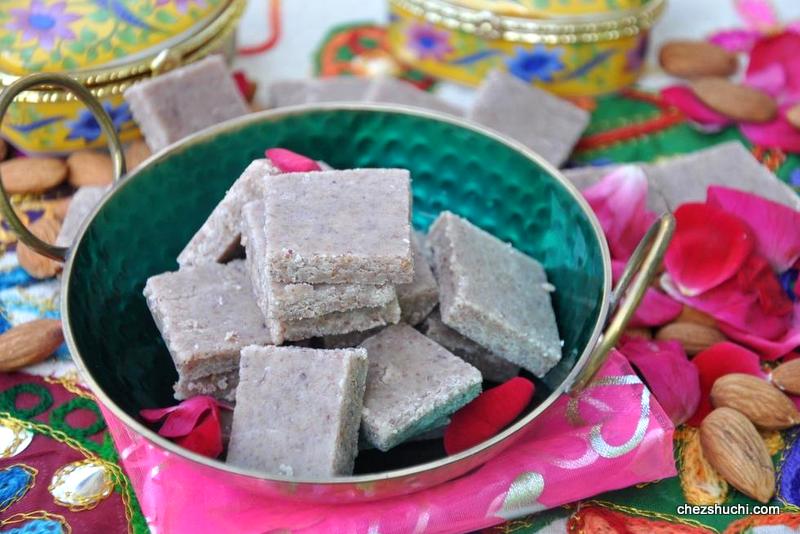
(142, 225)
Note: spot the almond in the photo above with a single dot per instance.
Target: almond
(3, 150)
(643, 333)
(32, 175)
(45, 228)
(735, 101)
(135, 154)
(29, 343)
(793, 116)
(88, 167)
(733, 447)
(58, 207)
(787, 376)
(690, 315)
(694, 337)
(757, 399)
(690, 59)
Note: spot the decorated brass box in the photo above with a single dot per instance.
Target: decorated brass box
(570, 47)
(106, 44)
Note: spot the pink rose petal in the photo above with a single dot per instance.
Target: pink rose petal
(194, 424)
(771, 80)
(684, 99)
(288, 161)
(758, 14)
(619, 201)
(777, 133)
(669, 374)
(767, 348)
(781, 50)
(709, 247)
(729, 304)
(776, 227)
(735, 40)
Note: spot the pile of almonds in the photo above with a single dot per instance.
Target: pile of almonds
(744, 405)
(708, 68)
(37, 175)
(34, 341)
(729, 435)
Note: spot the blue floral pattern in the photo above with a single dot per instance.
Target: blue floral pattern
(86, 125)
(537, 63)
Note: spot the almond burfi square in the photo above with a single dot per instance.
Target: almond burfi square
(298, 410)
(394, 91)
(492, 367)
(287, 302)
(494, 295)
(81, 206)
(206, 315)
(340, 227)
(418, 298)
(539, 120)
(343, 322)
(221, 386)
(686, 178)
(282, 93)
(218, 238)
(337, 89)
(411, 383)
(186, 100)
(348, 340)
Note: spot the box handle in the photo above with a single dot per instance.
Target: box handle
(639, 272)
(84, 95)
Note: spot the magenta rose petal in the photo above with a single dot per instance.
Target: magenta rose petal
(709, 247)
(685, 100)
(619, 201)
(776, 227)
(672, 378)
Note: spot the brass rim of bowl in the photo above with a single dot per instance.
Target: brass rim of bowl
(113, 79)
(267, 116)
(571, 29)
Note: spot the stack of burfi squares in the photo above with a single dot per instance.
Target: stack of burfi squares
(326, 248)
(333, 271)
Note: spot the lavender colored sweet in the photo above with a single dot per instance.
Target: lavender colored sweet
(218, 238)
(206, 315)
(81, 206)
(340, 227)
(186, 100)
(418, 298)
(288, 302)
(492, 367)
(412, 383)
(543, 122)
(298, 411)
(389, 90)
(494, 295)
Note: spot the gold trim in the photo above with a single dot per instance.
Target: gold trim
(640, 270)
(114, 80)
(69, 86)
(495, 443)
(610, 26)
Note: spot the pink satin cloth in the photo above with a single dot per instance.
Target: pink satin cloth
(612, 436)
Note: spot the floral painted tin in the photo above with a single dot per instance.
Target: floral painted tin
(107, 45)
(570, 47)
